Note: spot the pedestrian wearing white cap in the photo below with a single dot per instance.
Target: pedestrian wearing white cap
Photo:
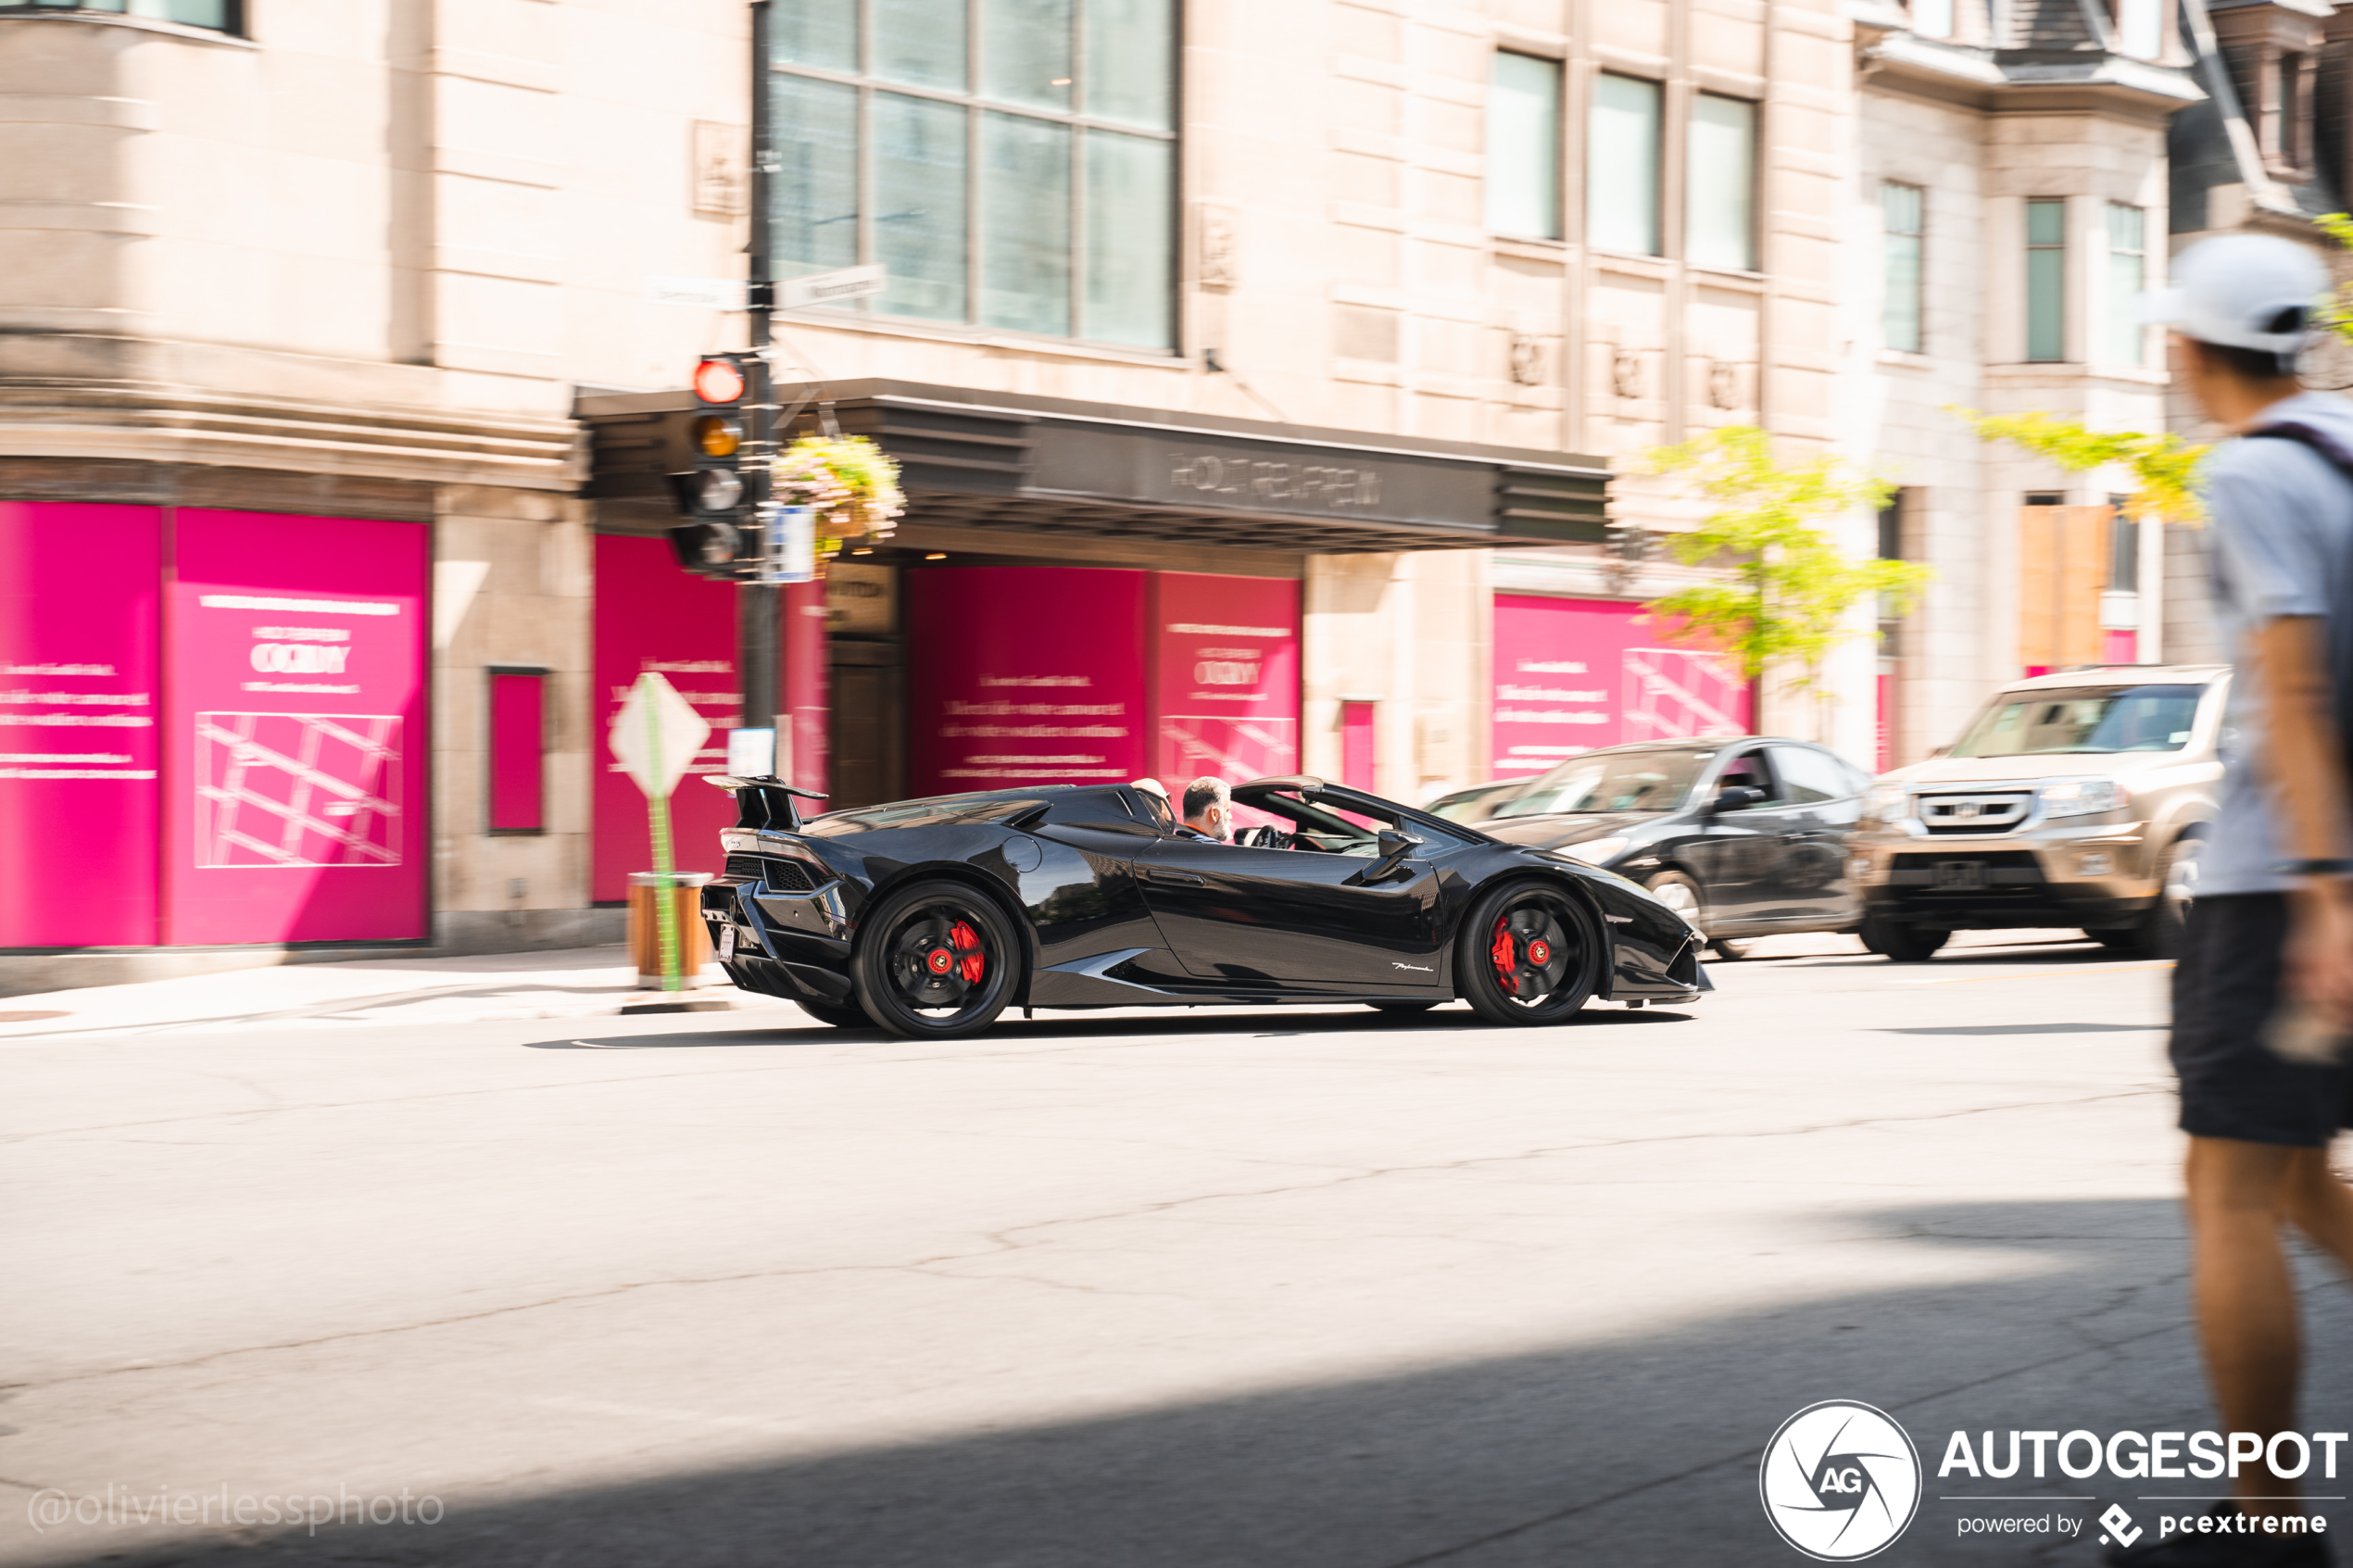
(2268, 953)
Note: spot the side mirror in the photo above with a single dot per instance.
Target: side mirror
(1738, 797)
(1396, 846)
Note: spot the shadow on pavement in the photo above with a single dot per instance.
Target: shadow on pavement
(1447, 1020)
(1635, 1449)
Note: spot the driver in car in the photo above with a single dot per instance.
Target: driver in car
(1209, 809)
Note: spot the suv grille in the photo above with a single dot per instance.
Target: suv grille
(782, 876)
(1975, 813)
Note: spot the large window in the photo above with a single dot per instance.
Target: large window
(2127, 272)
(1621, 167)
(2046, 280)
(220, 16)
(1904, 221)
(1523, 147)
(1010, 163)
(1720, 189)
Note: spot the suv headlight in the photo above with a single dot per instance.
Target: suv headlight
(1884, 803)
(2083, 797)
(1593, 851)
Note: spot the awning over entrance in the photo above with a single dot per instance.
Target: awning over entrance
(1043, 465)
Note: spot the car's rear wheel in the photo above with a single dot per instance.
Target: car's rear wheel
(839, 1016)
(935, 961)
(1530, 954)
(1904, 943)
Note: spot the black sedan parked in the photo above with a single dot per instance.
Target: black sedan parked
(931, 917)
(1742, 837)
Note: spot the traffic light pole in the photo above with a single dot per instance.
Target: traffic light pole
(759, 606)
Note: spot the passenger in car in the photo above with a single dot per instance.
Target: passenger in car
(1209, 809)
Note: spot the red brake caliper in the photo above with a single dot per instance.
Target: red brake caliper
(1506, 958)
(967, 942)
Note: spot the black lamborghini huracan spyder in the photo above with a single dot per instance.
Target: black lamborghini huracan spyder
(931, 917)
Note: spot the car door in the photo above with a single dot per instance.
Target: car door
(1735, 854)
(1822, 800)
(1296, 916)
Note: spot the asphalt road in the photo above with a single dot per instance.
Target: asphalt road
(1310, 1289)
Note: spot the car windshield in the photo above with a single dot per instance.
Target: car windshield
(1613, 780)
(2105, 719)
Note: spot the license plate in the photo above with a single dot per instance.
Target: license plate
(726, 941)
(1959, 876)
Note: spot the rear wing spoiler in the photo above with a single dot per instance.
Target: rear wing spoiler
(764, 801)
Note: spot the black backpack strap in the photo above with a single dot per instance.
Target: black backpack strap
(2331, 450)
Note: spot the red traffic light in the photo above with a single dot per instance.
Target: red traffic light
(719, 380)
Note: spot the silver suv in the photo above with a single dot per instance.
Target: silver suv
(2075, 799)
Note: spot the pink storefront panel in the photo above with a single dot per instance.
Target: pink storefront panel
(1575, 674)
(1024, 675)
(651, 615)
(1224, 677)
(294, 730)
(79, 742)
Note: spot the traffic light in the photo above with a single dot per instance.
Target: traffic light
(718, 538)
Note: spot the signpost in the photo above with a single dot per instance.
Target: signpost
(654, 736)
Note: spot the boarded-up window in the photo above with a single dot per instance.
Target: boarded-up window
(518, 750)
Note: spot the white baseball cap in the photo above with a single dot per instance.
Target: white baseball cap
(2241, 291)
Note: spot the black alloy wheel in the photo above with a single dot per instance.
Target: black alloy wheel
(1530, 954)
(936, 962)
(841, 1015)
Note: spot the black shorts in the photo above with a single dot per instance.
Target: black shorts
(2225, 989)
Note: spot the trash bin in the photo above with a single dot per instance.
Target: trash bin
(686, 913)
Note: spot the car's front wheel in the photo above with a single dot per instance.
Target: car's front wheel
(1905, 943)
(2160, 930)
(934, 960)
(1530, 954)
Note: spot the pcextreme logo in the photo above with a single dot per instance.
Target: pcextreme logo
(1840, 1480)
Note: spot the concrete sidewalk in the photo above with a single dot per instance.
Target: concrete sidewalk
(571, 983)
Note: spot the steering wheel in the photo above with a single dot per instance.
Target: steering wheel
(1263, 838)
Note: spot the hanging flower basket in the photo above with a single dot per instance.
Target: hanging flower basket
(851, 483)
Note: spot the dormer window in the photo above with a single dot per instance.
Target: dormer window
(2283, 111)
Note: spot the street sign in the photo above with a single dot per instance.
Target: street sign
(701, 294)
(787, 545)
(836, 287)
(655, 736)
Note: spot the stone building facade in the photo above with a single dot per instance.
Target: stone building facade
(364, 263)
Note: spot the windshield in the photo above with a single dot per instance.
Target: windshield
(1613, 780)
(2103, 720)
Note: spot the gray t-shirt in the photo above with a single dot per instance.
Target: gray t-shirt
(2279, 542)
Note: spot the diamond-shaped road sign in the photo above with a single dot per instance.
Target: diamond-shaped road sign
(656, 734)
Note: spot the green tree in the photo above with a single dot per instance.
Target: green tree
(2162, 466)
(1784, 599)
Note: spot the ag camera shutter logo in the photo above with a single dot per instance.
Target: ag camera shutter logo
(1840, 1481)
